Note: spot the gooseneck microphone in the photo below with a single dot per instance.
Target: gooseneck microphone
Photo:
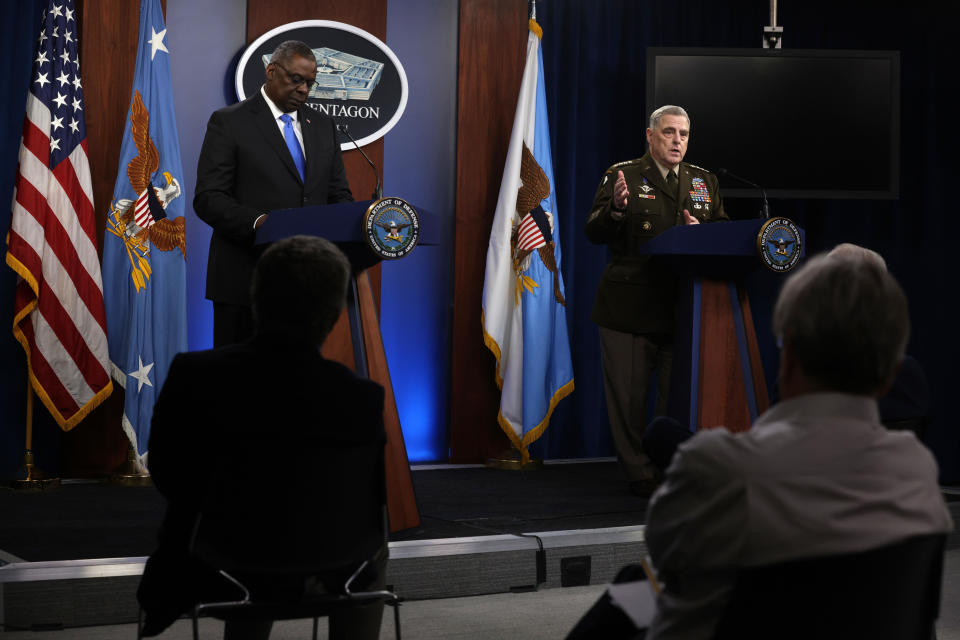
(765, 209)
(378, 191)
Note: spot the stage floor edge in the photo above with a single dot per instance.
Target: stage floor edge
(76, 593)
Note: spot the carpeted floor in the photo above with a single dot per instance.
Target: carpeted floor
(474, 501)
(97, 520)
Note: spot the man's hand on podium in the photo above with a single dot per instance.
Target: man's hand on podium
(689, 219)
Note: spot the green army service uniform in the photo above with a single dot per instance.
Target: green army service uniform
(636, 302)
(637, 294)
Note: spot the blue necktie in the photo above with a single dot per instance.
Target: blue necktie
(293, 144)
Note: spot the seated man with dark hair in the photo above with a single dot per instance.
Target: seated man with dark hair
(818, 474)
(275, 390)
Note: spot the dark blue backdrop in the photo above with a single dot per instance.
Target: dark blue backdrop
(595, 62)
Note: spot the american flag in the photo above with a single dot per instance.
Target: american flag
(58, 309)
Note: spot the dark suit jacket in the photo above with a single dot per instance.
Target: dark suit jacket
(636, 293)
(277, 393)
(245, 170)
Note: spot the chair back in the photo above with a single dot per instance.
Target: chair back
(314, 507)
(891, 592)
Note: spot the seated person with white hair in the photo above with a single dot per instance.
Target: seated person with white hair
(818, 474)
(788, 488)
(906, 404)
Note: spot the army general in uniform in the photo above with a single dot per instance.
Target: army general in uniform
(636, 301)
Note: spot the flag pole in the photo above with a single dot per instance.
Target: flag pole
(33, 478)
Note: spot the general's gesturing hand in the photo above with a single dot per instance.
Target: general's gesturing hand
(620, 192)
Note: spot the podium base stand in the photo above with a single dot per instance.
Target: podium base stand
(510, 461)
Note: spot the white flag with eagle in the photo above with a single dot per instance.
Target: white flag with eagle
(524, 321)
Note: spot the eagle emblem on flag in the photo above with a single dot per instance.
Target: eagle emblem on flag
(143, 220)
(533, 227)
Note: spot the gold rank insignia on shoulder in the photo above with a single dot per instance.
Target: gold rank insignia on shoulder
(620, 165)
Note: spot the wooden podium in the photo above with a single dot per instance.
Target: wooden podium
(356, 340)
(718, 377)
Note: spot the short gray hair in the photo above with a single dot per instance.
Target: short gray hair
(289, 48)
(856, 252)
(847, 322)
(300, 287)
(667, 110)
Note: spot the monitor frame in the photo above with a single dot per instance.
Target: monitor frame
(730, 187)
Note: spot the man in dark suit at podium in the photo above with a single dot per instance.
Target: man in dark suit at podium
(268, 152)
(274, 390)
(636, 301)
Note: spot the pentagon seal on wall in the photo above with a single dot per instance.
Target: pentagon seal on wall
(779, 244)
(360, 81)
(391, 228)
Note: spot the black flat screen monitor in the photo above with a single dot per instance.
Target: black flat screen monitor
(801, 123)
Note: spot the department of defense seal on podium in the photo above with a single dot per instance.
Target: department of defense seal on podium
(391, 228)
(779, 244)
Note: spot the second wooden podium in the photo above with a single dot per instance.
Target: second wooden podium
(718, 377)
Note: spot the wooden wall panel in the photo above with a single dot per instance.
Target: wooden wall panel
(369, 15)
(492, 49)
(108, 52)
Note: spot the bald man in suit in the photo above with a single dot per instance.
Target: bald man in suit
(268, 152)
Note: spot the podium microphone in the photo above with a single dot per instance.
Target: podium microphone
(765, 209)
(378, 190)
